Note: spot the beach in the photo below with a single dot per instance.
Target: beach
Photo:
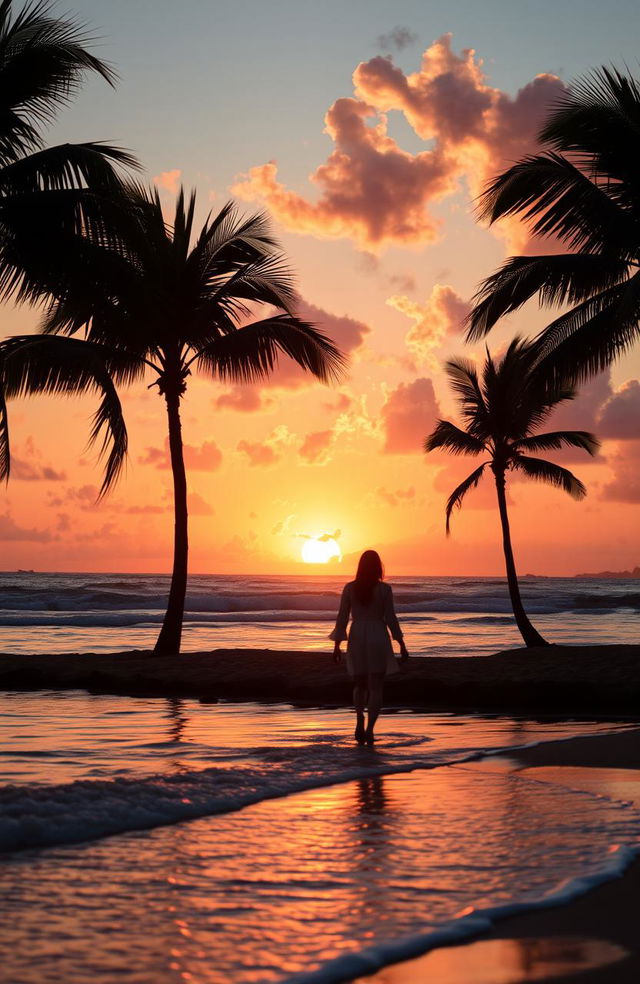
(563, 944)
(593, 680)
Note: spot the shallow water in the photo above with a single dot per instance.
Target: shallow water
(219, 870)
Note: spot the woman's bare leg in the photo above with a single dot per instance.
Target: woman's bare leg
(359, 702)
(376, 681)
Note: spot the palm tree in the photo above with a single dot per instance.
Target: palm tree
(45, 192)
(153, 300)
(584, 190)
(502, 410)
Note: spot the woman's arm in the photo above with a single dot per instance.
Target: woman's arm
(391, 619)
(340, 631)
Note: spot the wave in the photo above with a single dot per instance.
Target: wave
(355, 965)
(47, 815)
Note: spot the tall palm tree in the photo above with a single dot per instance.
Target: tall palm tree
(584, 190)
(157, 299)
(45, 191)
(502, 411)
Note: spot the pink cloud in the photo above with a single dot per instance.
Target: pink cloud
(146, 510)
(198, 506)
(29, 471)
(315, 447)
(377, 194)
(10, 531)
(243, 399)
(169, 180)
(625, 483)
(619, 416)
(408, 415)
(205, 457)
(442, 314)
(399, 495)
(372, 191)
(27, 466)
(259, 455)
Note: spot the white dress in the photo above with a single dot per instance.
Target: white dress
(369, 648)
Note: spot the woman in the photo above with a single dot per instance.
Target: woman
(369, 651)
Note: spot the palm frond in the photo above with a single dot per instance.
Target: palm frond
(251, 352)
(549, 473)
(554, 440)
(456, 498)
(446, 435)
(555, 198)
(590, 336)
(43, 59)
(56, 365)
(463, 377)
(556, 279)
(66, 166)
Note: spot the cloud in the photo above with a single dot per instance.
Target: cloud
(377, 194)
(399, 495)
(11, 532)
(315, 447)
(372, 191)
(198, 506)
(169, 180)
(625, 483)
(28, 471)
(205, 457)
(619, 417)
(398, 38)
(441, 315)
(146, 510)
(243, 399)
(341, 403)
(408, 415)
(27, 466)
(264, 453)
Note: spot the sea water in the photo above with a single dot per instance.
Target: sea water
(155, 841)
(443, 616)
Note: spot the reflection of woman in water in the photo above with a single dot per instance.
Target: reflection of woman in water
(369, 651)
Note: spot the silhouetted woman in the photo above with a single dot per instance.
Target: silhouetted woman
(370, 657)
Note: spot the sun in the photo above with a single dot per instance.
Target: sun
(320, 550)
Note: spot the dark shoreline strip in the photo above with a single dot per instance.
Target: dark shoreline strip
(597, 681)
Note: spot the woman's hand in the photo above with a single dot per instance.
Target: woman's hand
(404, 654)
(337, 655)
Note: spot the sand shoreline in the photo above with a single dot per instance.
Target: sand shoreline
(599, 681)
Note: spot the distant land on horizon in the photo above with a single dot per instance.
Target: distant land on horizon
(613, 575)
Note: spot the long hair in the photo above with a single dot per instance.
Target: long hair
(370, 572)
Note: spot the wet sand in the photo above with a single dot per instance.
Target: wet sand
(593, 940)
(587, 680)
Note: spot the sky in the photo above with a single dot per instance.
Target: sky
(366, 130)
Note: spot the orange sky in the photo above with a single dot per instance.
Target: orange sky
(388, 255)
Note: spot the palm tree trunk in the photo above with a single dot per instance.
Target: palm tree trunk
(530, 635)
(169, 639)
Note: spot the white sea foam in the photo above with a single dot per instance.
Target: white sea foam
(46, 815)
(372, 959)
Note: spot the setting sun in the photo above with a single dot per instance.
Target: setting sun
(320, 550)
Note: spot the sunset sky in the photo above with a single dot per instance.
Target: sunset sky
(366, 129)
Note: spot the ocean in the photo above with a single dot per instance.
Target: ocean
(441, 616)
(161, 841)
